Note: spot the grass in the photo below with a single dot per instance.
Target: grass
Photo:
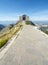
(4, 38)
(3, 41)
(30, 23)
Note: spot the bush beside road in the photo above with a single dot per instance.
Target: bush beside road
(7, 36)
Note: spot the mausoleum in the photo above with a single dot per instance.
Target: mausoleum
(24, 18)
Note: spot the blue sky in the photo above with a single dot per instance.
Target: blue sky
(12, 9)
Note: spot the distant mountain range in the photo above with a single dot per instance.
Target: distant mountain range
(4, 29)
(1, 27)
(41, 22)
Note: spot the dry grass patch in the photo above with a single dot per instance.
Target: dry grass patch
(4, 38)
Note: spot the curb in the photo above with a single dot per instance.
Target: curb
(42, 32)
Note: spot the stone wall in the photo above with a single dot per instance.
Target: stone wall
(26, 18)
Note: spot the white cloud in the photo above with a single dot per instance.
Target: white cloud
(40, 16)
(9, 16)
(36, 16)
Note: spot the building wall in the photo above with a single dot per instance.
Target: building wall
(27, 18)
(21, 18)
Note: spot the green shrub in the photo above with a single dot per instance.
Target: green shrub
(29, 23)
(3, 42)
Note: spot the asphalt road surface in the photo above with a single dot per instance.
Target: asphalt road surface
(30, 48)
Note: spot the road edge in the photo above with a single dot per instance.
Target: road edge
(9, 43)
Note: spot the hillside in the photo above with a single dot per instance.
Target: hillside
(1, 27)
(7, 33)
(29, 48)
(29, 23)
(6, 29)
(44, 29)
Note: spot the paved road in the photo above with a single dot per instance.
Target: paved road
(30, 48)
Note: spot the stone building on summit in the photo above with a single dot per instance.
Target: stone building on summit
(24, 18)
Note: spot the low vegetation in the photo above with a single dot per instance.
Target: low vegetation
(44, 29)
(3, 41)
(30, 23)
(5, 37)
